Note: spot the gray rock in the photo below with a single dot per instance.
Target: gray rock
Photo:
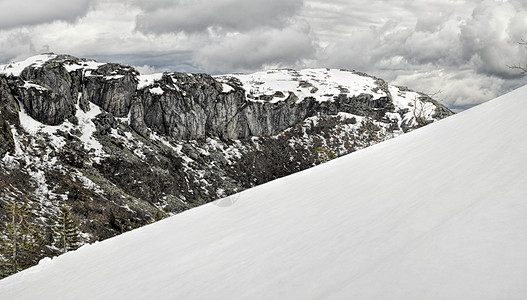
(104, 122)
(112, 87)
(198, 108)
(8, 116)
(8, 105)
(55, 102)
(45, 106)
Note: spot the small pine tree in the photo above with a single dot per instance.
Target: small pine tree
(66, 231)
(323, 155)
(21, 242)
(160, 215)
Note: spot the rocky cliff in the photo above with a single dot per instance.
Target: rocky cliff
(121, 149)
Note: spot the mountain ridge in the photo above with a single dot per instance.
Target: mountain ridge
(121, 149)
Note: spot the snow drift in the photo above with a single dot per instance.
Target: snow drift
(439, 213)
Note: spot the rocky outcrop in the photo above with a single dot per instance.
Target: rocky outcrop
(47, 93)
(194, 106)
(44, 104)
(184, 107)
(112, 87)
(8, 105)
(50, 92)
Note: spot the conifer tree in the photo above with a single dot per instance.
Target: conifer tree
(323, 155)
(67, 232)
(20, 242)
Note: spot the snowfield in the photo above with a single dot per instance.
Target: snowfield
(438, 213)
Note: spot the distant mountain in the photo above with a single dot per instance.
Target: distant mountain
(120, 149)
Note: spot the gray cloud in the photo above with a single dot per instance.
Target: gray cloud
(461, 47)
(18, 45)
(152, 62)
(260, 48)
(200, 15)
(27, 13)
(490, 37)
(457, 89)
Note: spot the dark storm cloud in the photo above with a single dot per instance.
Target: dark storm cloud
(200, 15)
(17, 13)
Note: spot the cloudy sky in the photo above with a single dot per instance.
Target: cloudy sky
(459, 50)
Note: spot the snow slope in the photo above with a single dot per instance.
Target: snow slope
(438, 213)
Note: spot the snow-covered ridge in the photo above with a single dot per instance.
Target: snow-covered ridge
(322, 84)
(326, 85)
(82, 65)
(148, 80)
(70, 64)
(266, 86)
(15, 68)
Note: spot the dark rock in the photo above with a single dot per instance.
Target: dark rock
(104, 122)
(8, 116)
(190, 106)
(8, 105)
(7, 144)
(197, 108)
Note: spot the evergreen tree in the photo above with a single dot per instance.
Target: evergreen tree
(323, 155)
(160, 215)
(20, 242)
(66, 231)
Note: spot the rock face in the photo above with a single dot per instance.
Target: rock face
(122, 149)
(194, 106)
(47, 93)
(9, 115)
(112, 87)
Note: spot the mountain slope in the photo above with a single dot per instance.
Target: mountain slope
(121, 149)
(438, 213)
